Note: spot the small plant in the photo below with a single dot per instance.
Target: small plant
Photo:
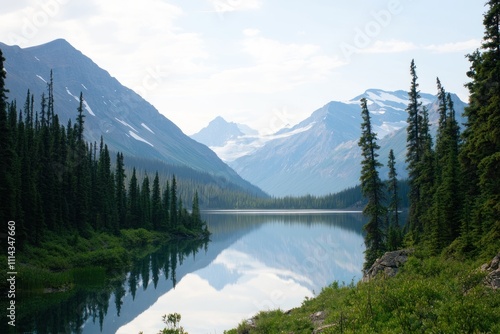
(172, 321)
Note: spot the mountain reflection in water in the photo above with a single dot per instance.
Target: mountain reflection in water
(254, 261)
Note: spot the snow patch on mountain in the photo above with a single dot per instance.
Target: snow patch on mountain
(139, 138)
(87, 107)
(380, 97)
(246, 145)
(293, 132)
(126, 124)
(235, 149)
(85, 104)
(147, 128)
(69, 93)
(388, 127)
(41, 78)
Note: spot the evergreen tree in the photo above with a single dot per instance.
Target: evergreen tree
(451, 175)
(106, 186)
(7, 153)
(372, 188)
(196, 222)
(80, 121)
(394, 234)
(146, 203)
(480, 155)
(133, 210)
(173, 204)
(419, 158)
(156, 205)
(425, 172)
(50, 99)
(121, 194)
(413, 153)
(447, 196)
(82, 175)
(166, 208)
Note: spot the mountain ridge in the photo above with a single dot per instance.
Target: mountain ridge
(320, 155)
(128, 123)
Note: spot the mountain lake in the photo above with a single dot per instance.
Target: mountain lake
(256, 260)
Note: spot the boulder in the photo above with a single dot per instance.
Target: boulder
(388, 264)
(492, 280)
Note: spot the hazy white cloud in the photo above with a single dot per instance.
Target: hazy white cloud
(396, 46)
(275, 67)
(391, 46)
(251, 32)
(455, 47)
(222, 6)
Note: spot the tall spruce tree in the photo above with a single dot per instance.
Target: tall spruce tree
(82, 175)
(425, 172)
(480, 155)
(394, 233)
(419, 158)
(196, 222)
(451, 175)
(7, 153)
(121, 193)
(372, 188)
(446, 207)
(174, 215)
(156, 204)
(413, 153)
(166, 207)
(134, 202)
(146, 203)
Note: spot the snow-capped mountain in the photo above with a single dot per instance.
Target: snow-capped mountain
(126, 121)
(230, 140)
(320, 155)
(219, 132)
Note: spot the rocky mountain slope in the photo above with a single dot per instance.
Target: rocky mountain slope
(127, 122)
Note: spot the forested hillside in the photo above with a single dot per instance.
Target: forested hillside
(52, 180)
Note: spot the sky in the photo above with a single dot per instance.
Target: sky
(263, 63)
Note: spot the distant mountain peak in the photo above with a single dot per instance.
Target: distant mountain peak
(219, 131)
(320, 155)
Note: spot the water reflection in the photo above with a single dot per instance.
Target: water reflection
(254, 261)
(263, 261)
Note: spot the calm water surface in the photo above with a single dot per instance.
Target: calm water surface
(256, 260)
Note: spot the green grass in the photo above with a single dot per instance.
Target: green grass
(430, 295)
(65, 260)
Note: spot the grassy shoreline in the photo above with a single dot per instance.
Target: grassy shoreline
(61, 260)
(438, 294)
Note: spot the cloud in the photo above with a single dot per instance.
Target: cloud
(454, 47)
(273, 66)
(397, 46)
(251, 32)
(391, 46)
(223, 6)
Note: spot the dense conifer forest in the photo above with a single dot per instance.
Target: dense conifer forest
(454, 179)
(52, 180)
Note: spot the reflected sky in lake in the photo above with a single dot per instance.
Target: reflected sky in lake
(262, 261)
